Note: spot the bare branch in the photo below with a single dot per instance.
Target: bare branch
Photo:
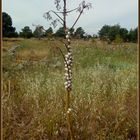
(60, 21)
(64, 16)
(72, 10)
(48, 16)
(80, 9)
(54, 22)
(77, 19)
(62, 53)
(64, 44)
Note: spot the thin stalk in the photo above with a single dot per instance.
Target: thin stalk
(69, 123)
(69, 116)
(77, 19)
(68, 92)
(9, 88)
(64, 44)
(57, 15)
(64, 15)
(62, 54)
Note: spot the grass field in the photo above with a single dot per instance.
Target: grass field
(104, 97)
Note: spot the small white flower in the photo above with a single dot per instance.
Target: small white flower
(66, 69)
(68, 33)
(70, 71)
(66, 83)
(67, 36)
(69, 47)
(65, 65)
(69, 62)
(69, 110)
(66, 74)
(69, 85)
(69, 81)
(66, 56)
(67, 78)
(69, 53)
(66, 86)
(69, 67)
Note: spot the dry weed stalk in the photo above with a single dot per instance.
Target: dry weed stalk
(68, 60)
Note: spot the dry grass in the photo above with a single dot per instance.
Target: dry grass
(104, 94)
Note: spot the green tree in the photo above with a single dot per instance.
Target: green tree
(49, 32)
(87, 36)
(123, 32)
(104, 32)
(26, 32)
(133, 35)
(79, 33)
(60, 32)
(39, 32)
(113, 32)
(8, 30)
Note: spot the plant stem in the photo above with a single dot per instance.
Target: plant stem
(69, 116)
(68, 109)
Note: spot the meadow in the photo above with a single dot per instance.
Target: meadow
(103, 100)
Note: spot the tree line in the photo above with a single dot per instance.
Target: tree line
(108, 33)
(117, 33)
(39, 32)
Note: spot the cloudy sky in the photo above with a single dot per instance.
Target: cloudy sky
(110, 12)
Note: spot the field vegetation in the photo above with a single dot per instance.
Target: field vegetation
(104, 97)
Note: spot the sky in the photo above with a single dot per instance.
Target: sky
(109, 12)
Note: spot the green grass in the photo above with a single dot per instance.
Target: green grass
(104, 97)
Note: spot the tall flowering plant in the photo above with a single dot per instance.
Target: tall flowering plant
(68, 58)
